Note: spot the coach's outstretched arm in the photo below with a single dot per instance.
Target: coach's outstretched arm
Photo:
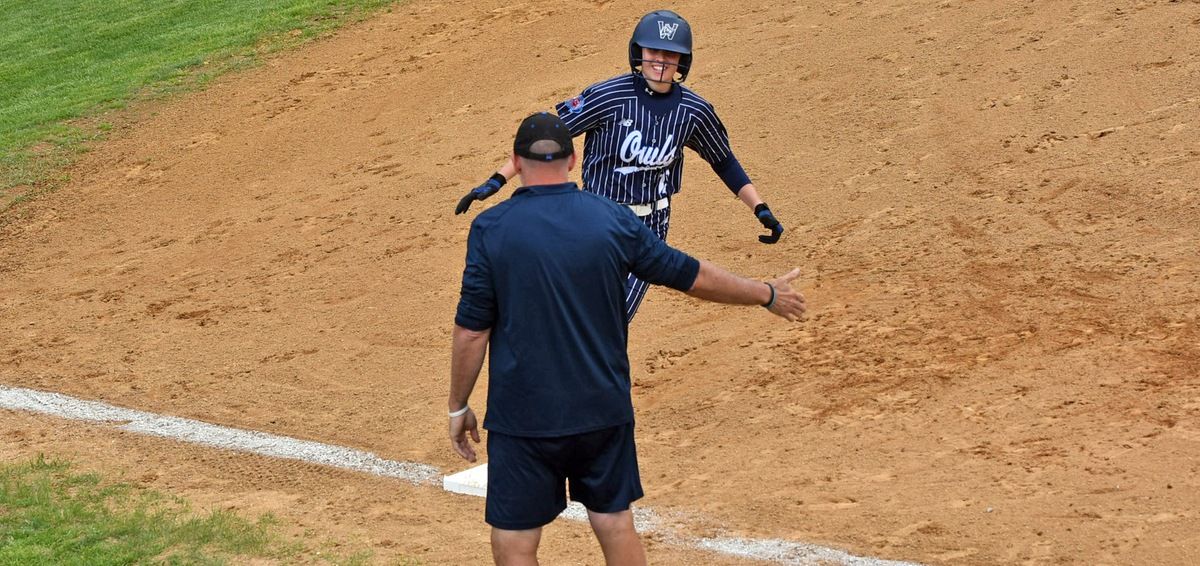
(720, 286)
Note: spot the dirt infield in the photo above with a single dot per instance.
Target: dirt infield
(995, 207)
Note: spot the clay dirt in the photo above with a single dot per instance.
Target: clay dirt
(994, 206)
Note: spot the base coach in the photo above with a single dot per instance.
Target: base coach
(544, 286)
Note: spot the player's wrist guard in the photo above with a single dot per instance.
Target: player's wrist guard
(487, 189)
(490, 187)
(768, 220)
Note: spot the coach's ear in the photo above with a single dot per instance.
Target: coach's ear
(516, 161)
(571, 162)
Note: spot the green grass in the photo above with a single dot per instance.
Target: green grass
(49, 515)
(70, 59)
(52, 515)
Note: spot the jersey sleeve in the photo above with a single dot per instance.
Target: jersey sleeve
(583, 112)
(710, 139)
(477, 299)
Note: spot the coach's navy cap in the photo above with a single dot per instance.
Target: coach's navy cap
(544, 137)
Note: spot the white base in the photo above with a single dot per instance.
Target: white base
(468, 482)
(474, 482)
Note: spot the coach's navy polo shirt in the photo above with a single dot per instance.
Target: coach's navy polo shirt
(546, 273)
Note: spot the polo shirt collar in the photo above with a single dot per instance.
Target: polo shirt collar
(538, 190)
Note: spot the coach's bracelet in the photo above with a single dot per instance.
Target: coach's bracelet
(460, 412)
(771, 302)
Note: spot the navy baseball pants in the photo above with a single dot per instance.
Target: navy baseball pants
(635, 289)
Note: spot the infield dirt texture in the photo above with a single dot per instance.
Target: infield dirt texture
(995, 206)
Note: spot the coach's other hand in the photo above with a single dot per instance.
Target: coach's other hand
(459, 427)
(788, 302)
(769, 222)
(487, 189)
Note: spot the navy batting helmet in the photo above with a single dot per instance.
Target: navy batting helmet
(665, 30)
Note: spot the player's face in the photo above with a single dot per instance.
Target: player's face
(659, 67)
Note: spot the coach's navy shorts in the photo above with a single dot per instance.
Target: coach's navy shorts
(527, 476)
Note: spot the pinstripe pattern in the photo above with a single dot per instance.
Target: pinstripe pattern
(632, 147)
(659, 222)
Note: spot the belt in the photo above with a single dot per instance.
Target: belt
(649, 208)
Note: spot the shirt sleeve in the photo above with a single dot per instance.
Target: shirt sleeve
(583, 112)
(477, 299)
(653, 261)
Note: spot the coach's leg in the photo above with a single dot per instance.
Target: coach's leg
(515, 548)
(618, 539)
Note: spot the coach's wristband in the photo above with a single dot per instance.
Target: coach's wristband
(771, 302)
(460, 412)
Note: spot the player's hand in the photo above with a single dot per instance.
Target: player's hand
(769, 222)
(460, 426)
(789, 303)
(487, 189)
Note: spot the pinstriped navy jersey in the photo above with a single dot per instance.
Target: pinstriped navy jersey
(632, 149)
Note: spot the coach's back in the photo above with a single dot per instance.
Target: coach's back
(546, 272)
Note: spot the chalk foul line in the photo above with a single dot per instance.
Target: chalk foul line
(199, 432)
(276, 446)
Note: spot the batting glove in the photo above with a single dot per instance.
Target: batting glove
(487, 189)
(769, 222)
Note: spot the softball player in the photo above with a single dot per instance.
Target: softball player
(635, 127)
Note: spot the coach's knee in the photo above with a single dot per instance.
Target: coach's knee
(612, 524)
(515, 548)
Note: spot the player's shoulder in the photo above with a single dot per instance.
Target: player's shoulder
(619, 83)
(693, 98)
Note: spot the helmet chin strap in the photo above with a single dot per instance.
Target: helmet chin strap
(642, 70)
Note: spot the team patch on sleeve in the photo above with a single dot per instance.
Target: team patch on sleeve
(575, 105)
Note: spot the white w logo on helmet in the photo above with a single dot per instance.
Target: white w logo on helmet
(667, 31)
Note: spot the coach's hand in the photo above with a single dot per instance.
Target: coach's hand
(487, 189)
(787, 302)
(459, 427)
(769, 222)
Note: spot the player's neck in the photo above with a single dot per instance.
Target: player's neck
(656, 88)
(659, 89)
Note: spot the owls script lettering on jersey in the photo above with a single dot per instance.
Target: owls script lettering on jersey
(645, 157)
